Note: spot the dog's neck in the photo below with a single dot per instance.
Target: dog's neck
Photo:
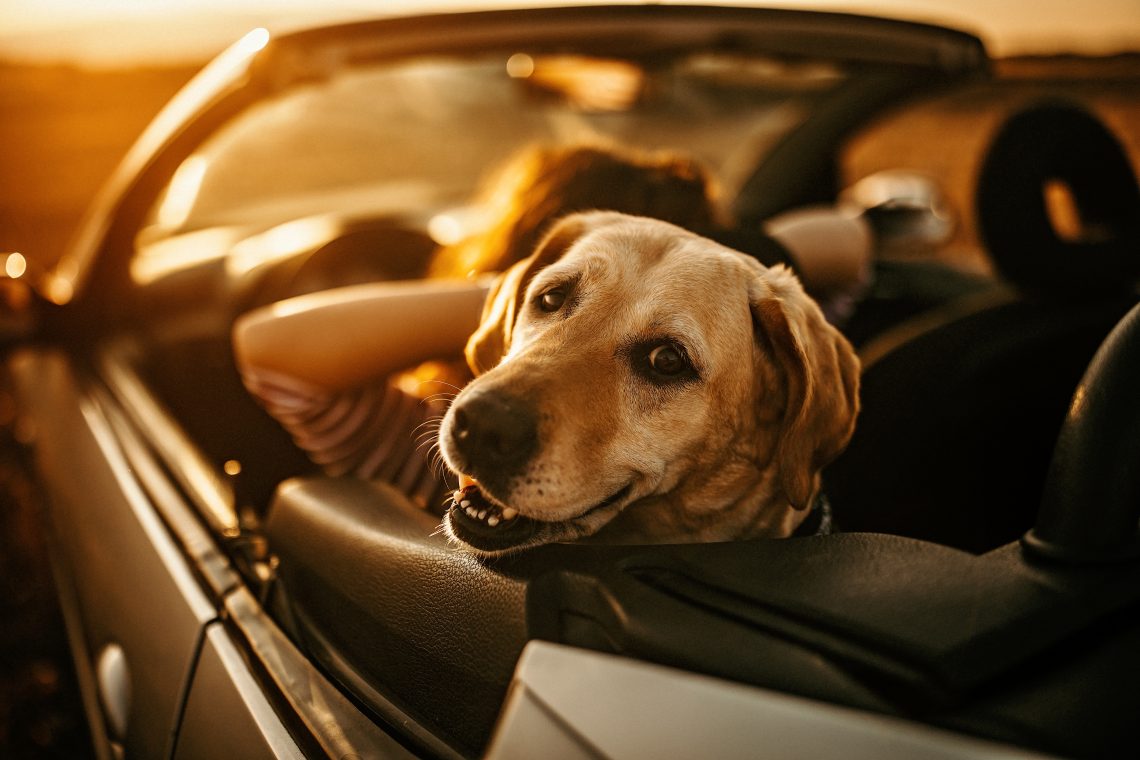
(688, 513)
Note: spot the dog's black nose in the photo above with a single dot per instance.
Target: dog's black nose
(496, 432)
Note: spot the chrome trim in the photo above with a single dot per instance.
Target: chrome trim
(260, 710)
(336, 724)
(113, 679)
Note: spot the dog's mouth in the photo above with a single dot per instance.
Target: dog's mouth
(492, 528)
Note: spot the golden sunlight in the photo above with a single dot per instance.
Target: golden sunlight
(114, 32)
(15, 265)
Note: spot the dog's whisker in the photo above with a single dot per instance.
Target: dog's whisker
(433, 419)
(426, 436)
(427, 433)
(437, 381)
(437, 462)
(433, 457)
(438, 400)
(428, 445)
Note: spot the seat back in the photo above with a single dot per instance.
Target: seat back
(958, 424)
(1058, 204)
(962, 406)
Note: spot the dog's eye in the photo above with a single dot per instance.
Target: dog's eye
(667, 360)
(663, 362)
(552, 300)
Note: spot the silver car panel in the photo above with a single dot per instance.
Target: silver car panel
(227, 715)
(337, 725)
(132, 585)
(582, 705)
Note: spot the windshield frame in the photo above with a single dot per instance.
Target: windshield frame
(95, 270)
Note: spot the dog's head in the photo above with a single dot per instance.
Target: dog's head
(641, 383)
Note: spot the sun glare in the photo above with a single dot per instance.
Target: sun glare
(130, 31)
(183, 192)
(254, 41)
(15, 265)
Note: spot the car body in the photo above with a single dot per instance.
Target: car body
(224, 598)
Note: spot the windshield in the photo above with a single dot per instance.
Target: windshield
(418, 136)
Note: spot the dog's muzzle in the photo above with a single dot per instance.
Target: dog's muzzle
(492, 529)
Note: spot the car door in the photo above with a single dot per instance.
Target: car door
(136, 611)
(146, 584)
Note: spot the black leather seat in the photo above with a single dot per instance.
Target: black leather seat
(426, 638)
(962, 404)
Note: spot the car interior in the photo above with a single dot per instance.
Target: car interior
(954, 454)
(960, 415)
(992, 471)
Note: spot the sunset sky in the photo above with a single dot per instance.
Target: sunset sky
(119, 32)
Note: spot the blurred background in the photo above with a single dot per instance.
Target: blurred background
(79, 81)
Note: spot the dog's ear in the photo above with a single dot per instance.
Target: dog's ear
(821, 372)
(492, 339)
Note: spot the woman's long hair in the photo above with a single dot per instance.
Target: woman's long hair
(542, 184)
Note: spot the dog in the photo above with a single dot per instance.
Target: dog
(638, 383)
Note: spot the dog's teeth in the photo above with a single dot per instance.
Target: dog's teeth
(470, 502)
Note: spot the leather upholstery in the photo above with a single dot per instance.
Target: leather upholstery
(427, 637)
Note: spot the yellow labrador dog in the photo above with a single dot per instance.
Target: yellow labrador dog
(639, 383)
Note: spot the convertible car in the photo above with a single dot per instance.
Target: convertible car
(224, 598)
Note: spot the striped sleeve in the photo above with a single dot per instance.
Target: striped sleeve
(376, 432)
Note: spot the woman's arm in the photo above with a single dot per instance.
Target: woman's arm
(341, 338)
(831, 251)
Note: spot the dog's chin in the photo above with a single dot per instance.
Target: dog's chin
(482, 529)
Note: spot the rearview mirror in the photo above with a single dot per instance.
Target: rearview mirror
(908, 210)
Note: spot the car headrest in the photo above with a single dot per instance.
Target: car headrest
(1091, 504)
(1058, 202)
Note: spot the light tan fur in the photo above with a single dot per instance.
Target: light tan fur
(734, 453)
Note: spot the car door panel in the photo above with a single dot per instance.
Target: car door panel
(227, 714)
(141, 607)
